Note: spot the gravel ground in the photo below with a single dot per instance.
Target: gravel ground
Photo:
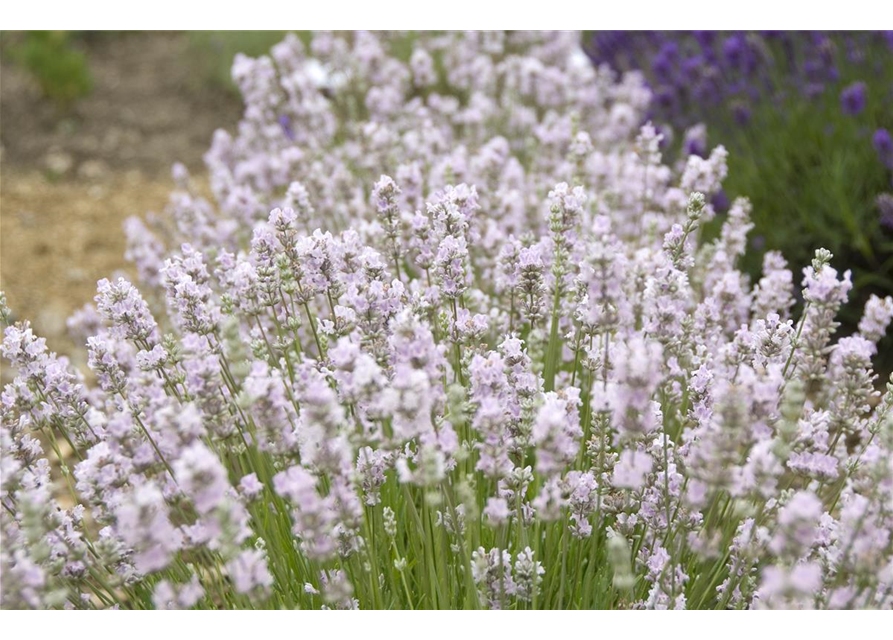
(68, 180)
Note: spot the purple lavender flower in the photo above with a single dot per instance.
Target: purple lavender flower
(249, 572)
(883, 144)
(853, 98)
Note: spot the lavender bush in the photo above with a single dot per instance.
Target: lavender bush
(447, 335)
(698, 73)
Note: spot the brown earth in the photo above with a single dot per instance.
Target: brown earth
(69, 179)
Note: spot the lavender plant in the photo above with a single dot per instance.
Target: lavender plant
(447, 336)
(695, 72)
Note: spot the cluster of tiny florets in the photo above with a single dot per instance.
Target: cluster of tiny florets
(448, 335)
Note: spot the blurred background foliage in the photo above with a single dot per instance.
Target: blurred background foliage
(55, 59)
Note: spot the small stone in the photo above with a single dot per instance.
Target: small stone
(58, 162)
